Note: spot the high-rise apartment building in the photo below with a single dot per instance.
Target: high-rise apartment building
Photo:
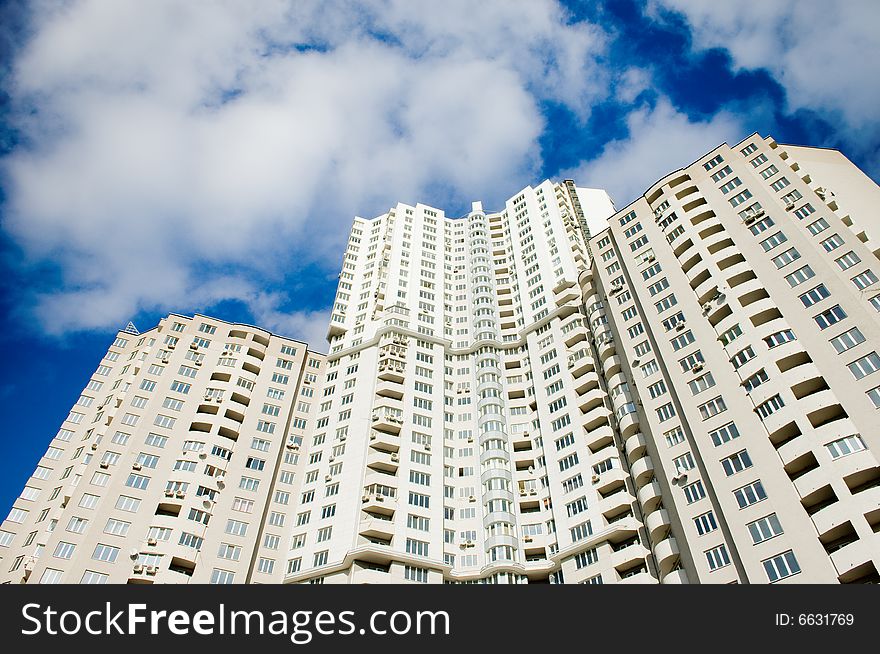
(176, 463)
(681, 391)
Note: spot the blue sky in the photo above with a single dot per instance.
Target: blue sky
(171, 156)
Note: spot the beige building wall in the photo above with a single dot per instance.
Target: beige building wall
(746, 308)
(682, 391)
(176, 465)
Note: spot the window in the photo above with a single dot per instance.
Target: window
(865, 366)
(694, 492)
(772, 241)
(724, 434)
(827, 318)
(105, 553)
(736, 463)
(701, 383)
(848, 260)
(864, 280)
(781, 566)
(832, 242)
(684, 463)
(799, 276)
(782, 260)
(666, 412)
(814, 295)
(712, 408)
(817, 226)
(847, 445)
(750, 494)
(64, 550)
(219, 576)
(674, 436)
(705, 523)
(717, 557)
(764, 529)
(779, 338)
(847, 340)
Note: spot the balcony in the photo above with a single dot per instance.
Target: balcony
(381, 460)
(387, 419)
(642, 470)
(657, 523)
(385, 440)
(650, 496)
(609, 480)
(388, 388)
(391, 370)
(628, 556)
(852, 555)
(379, 499)
(580, 362)
(600, 437)
(667, 555)
(374, 527)
(675, 577)
(635, 446)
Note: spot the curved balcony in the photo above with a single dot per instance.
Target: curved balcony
(635, 446)
(496, 473)
(498, 516)
(499, 494)
(658, 524)
(667, 554)
(852, 556)
(650, 496)
(834, 515)
(642, 470)
(628, 424)
(812, 481)
(675, 577)
(794, 449)
(501, 539)
(606, 348)
(611, 365)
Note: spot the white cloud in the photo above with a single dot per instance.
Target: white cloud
(164, 139)
(660, 140)
(825, 54)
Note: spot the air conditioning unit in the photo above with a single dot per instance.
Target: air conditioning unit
(151, 570)
(750, 219)
(169, 493)
(138, 568)
(136, 466)
(94, 446)
(203, 455)
(365, 498)
(649, 258)
(165, 359)
(193, 346)
(395, 456)
(680, 327)
(198, 363)
(152, 542)
(428, 447)
(595, 479)
(104, 465)
(697, 367)
(180, 495)
(472, 499)
(328, 478)
(523, 492)
(293, 446)
(469, 543)
(527, 539)
(707, 308)
(789, 206)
